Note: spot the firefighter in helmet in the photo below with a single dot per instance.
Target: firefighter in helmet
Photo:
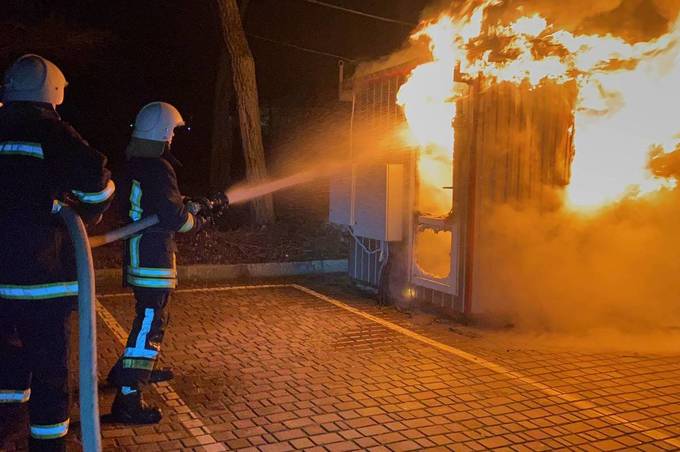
(150, 187)
(44, 163)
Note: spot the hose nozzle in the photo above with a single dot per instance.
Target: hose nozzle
(213, 206)
(218, 203)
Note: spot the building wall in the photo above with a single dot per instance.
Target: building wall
(376, 115)
(513, 145)
(516, 147)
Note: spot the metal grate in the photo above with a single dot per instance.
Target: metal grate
(365, 266)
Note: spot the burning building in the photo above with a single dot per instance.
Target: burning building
(497, 105)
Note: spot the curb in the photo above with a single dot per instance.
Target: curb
(204, 272)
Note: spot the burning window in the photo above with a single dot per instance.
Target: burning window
(433, 253)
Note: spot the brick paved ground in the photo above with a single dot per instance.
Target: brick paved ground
(279, 369)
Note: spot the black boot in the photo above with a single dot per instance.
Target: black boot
(162, 374)
(69, 443)
(12, 421)
(47, 445)
(114, 374)
(156, 376)
(129, 407)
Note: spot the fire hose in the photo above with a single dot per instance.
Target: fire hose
(124, 232)
(87, 309)
(214, 206)
(87, 340)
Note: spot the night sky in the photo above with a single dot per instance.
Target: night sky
(119, 55)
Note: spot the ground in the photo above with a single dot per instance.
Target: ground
(316, 366)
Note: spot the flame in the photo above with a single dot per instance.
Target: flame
(429, 103)
(628, 95)
(529, 26)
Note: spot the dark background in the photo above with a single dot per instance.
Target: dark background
(119, 55)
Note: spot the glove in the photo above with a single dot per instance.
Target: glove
(90, 214)
(201, 221)
(208, 208)
(193, 207)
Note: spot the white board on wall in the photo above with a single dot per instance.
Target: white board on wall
(372, 203)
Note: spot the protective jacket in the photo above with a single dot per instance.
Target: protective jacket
(151, 189)
(42, 160)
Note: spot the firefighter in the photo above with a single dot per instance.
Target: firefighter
(43, 164)
(150, 187)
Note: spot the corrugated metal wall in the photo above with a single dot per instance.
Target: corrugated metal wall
(519, 153)
(523, 142)
(437, 298)
(513, 145)
(376, 114)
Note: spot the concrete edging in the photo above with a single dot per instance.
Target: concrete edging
(206, 272)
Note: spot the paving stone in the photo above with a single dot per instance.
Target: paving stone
(342, 446)
(278, 369)
(326, 438)
(277, 447)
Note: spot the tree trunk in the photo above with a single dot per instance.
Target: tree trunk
(245, 85)
(243, 6)
(222, 135)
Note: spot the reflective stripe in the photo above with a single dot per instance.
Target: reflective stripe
(134, 251)
(50, 431)
(140, 353)
(143, 364)
(39, 291)
(98, 197)
(136, 201)
(7, 396)
(23, 148)
(152, 283)
(161, 278)
(140, 350)
(136, 271)
(56, 206)
(188, 225)
(145, 328)
(152, 272)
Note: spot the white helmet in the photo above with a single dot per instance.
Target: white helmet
(157, 121)
(32, 78)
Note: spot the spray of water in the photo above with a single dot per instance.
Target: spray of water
(318, 148)
(247, 192)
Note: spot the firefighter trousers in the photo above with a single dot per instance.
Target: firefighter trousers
(144, 342)
(34, 359)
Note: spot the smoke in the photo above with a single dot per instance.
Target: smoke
(411, 52)
(575, 272)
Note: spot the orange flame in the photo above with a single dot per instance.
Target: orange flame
(429, 103)
(628, 96)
